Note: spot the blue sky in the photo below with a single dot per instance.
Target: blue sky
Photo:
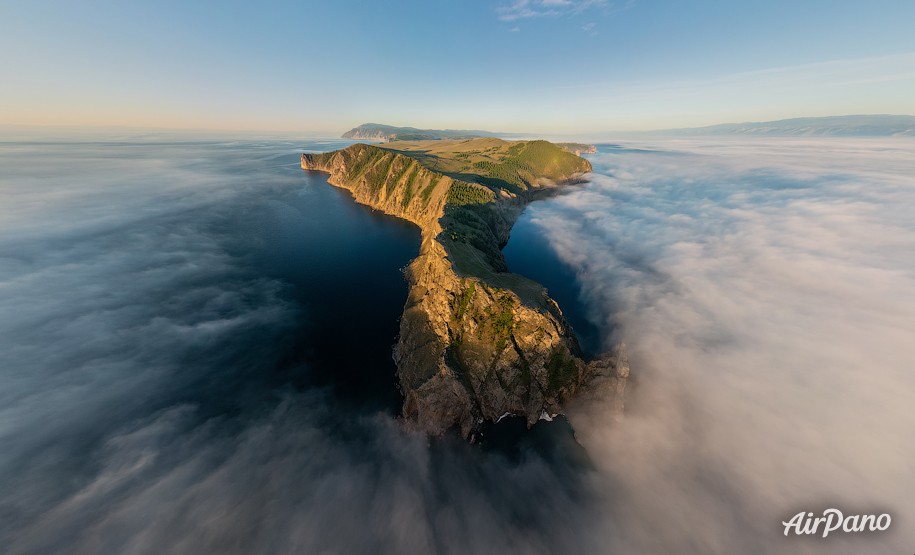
(530, 66)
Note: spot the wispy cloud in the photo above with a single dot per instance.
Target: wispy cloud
(525, 9)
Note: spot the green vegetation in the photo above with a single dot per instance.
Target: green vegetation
(502, 318)
(399, 168)
(545, 159)
(463, 301)
(471, 224)
(462, 193)
(507, 175)
(494, 163)
(378, 174)
(408, 191)
(427, 192)
(562, 369)
(365, 159)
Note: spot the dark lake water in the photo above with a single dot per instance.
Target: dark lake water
(343, 264)
(198, 335)
(530, 254)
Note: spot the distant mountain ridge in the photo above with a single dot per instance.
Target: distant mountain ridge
(386, 133)
(874, 125)
(881, 125)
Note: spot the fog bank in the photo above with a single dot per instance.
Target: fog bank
(153, 398)
(766, 291)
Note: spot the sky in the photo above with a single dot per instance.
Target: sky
(536, 66)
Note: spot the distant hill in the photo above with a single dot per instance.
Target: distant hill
(832, 126)
(379, 132)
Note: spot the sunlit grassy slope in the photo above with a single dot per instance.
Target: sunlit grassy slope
(475, 226)
(509, 166)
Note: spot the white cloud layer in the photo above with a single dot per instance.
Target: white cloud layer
(766, 290)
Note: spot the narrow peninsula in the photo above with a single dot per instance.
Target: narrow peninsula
(476, 341)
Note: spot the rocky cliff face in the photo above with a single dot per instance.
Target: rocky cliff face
(475, 342)
(386, 180)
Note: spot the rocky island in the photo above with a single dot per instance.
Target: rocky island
(476, 342)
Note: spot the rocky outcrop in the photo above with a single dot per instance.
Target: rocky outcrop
(578, 148)
(475, 341)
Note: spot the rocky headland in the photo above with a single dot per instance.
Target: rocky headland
(476, 342)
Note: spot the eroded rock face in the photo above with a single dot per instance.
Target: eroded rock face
(471, 347)
(469, 351)
(386, 181)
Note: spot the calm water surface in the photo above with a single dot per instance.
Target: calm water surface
(195, 356)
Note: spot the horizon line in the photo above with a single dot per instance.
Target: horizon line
(327, 133)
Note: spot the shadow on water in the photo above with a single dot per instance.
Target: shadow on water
(207, 329)
(529, 253)
(344, 265)
(553, 442)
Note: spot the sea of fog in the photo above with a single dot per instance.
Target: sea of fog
(195, 355)
(766, 292)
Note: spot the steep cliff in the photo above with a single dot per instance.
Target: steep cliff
(476, 342)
